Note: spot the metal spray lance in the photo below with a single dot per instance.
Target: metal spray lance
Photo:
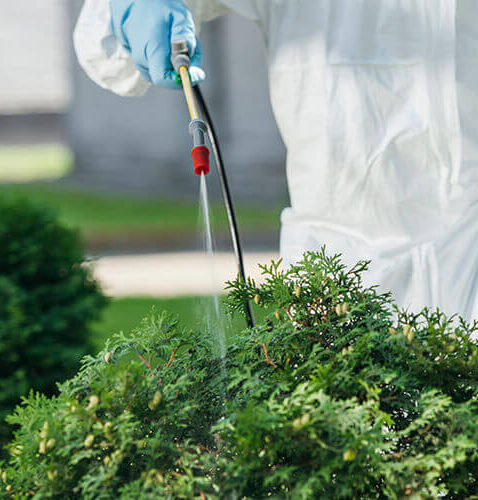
(200, 153)
(197, 128)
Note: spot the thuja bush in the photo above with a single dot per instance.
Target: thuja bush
(47, 300)
(335, 395)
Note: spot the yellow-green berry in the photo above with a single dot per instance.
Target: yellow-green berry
(44, 430)
(107, 429)
(141, 444)
(89, 441)
(52, 475)
(42, 449)
(94, 401)
(406, 330)
(153, 404)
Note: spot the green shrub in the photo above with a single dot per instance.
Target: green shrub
(47, 299)
(334, 396)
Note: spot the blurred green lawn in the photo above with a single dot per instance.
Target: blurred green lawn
(36, 162)
(100, 215)
(124, 315)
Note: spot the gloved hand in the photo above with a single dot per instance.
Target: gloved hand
(146, 29)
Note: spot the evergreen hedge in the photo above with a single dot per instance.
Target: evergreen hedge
(47, 301)
(335, 395)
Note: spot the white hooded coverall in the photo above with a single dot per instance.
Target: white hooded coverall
(377, 103)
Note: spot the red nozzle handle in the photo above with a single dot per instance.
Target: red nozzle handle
(200, 156)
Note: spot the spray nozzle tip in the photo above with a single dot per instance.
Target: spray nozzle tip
(200, 156)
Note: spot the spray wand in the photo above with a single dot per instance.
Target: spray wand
(197, 127)
(200, 153)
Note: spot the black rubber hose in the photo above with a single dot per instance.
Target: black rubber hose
(226, 193)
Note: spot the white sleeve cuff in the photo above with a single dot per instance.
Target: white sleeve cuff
(101, 55)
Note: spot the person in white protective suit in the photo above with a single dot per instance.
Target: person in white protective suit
(377, 103)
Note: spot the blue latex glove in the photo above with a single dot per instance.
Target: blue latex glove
(146, 28)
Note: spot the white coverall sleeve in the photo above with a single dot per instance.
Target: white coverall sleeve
(104, 59)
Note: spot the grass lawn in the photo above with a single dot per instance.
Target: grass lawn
(33, 163)
(126, 314)
(103, 215)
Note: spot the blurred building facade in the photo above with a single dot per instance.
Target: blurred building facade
(34, 57)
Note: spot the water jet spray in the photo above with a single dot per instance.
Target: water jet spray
(197, 128)
(201, 129)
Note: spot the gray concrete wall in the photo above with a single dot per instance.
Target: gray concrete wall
(33, 54)
(142, 144)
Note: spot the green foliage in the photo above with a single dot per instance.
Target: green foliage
(47, 300)
(335, 395)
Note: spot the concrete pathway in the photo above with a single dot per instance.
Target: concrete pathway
(172, 274)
